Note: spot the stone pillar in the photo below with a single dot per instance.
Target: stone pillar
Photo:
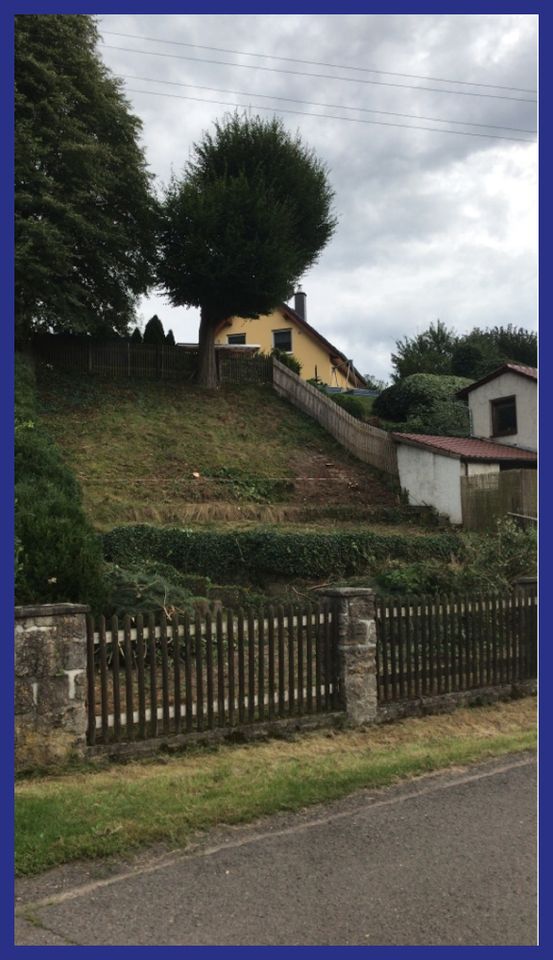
(356, 631)
(50, 683)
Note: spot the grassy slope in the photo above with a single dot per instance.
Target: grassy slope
(136, 446)
(94, 814)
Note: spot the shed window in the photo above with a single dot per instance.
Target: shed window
(282, 340)
(236, 338)
(504, 417)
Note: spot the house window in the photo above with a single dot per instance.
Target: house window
(504, 417)
(236, 338)
(282, 340)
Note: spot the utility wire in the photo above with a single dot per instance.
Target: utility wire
(329, 106)
(317, 63)
(315, 76)
(328, 116)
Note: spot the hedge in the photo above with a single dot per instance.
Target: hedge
(261, 554)
(58, 557)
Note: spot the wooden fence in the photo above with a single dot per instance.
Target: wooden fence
(367, 443)
(123, 358)
(433, 645)
(150, 677)
(487, 497)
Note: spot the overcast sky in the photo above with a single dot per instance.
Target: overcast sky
(431, 224)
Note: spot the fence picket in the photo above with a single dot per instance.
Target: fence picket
(152, 654)
(209, 669)
(141, 682)
(220, 670)
(129, 706)
(164, 671)
(90, 684)
(231, 653)
(175, 629)
(241, 672)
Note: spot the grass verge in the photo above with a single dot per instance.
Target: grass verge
(93, 814)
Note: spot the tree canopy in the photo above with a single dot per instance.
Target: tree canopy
(251, 212)
(441, 350)
(153, 331)
(84, 210)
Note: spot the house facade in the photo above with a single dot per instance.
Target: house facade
(431, 467)
(286, 329)
(504, 406)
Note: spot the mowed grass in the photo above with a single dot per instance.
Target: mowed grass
(135, 447)
(93, 814)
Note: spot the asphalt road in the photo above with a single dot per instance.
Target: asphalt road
(445, 859)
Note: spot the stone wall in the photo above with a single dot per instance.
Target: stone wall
(50, 684)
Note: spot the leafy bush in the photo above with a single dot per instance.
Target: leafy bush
(58, 556)
(494, 562)
(416, 395)
(146, 587)
(288, 359)
(255, 555)
(352, 405)
(485, 563)
(443, 418)
(427, 576)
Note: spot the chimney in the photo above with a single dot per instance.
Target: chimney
(299, 303)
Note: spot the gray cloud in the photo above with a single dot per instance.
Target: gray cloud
(429, 224)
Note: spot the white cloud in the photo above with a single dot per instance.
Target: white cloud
(430, 225)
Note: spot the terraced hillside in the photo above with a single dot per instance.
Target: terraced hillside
(171, 453)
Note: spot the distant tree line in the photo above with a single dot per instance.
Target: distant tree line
(440, 350)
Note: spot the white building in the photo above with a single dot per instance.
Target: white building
(430, 467)
(504, 406)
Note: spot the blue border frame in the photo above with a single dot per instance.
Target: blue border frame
(6, 421)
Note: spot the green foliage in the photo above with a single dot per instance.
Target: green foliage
(170, 339)
(153, 331)
(352, 405)
(146, 587)
(426, 576)
(259, 554)
(417, 396)
(428, 352)
(287, 359)
(136, 336)
(481, 351)
(239, 485)
(484, 563)
(249, 216)
(58, 556)
(84, 212)
(495, 561)
(440, 350)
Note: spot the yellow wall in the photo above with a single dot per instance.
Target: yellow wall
(312, 356)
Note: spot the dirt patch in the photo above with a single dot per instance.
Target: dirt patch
(320, 479)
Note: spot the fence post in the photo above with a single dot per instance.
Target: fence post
(50, 683)
(355, 633)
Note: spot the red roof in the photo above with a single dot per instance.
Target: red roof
(466, 448)
(520, 368)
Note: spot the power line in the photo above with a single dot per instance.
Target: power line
(330, 106)
(317, 63)
(315, 76)
(327, 116)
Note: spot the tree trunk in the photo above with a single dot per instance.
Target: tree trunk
(207, 367)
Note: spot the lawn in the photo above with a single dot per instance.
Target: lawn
(97, 813)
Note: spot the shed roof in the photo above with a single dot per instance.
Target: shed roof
(467, 448)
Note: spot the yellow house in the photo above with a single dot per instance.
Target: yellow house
(286, 329)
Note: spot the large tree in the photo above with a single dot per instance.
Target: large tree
(84, 210)
(251, 212)
(427, 352)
